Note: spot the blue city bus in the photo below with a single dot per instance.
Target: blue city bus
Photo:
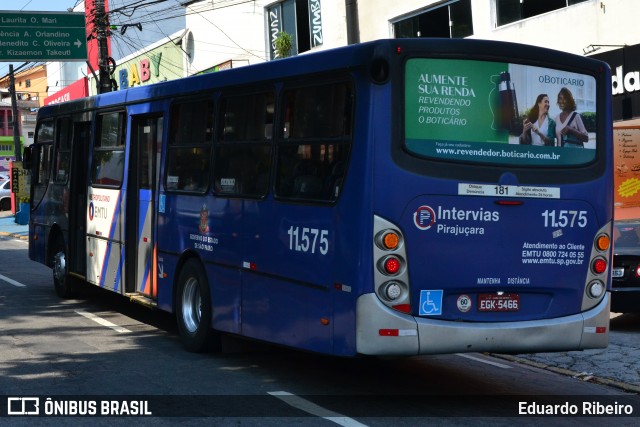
(375, 199)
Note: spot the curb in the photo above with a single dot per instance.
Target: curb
(582, 376)
(14, 235)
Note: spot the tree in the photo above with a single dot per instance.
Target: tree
(283, 44)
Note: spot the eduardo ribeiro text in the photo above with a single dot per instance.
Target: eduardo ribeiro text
(567, 408)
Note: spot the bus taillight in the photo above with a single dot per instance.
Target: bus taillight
(596, 289)
(388, 240)
(395, 294)
(391, 240)
(393, 290)
(390, 266)
(599, 265)
(602, 242)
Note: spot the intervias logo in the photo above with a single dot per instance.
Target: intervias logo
(424, 217)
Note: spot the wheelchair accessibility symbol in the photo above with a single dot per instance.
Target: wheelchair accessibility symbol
(430, 303)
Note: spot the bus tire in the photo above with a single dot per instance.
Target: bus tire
(193, 309)
(61, 280)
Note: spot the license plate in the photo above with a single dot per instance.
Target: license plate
(495, 302)
(618, 272)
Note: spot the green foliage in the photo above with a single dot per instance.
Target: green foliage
(283, 44)
(589, 120)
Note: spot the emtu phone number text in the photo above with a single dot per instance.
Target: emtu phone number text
(553, 253)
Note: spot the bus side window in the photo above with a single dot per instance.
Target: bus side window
(44, 143)
(62, 151)
(189, 151)
(314, 142)
(107, 167)
(244, 145)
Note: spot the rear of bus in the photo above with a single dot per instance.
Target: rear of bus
(482, 241)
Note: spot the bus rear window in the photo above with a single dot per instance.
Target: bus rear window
(498, 113)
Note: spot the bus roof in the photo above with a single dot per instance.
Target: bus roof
(347, 57)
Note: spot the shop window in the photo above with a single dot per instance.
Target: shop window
(302, 19)
(452, 20)
(509, 11)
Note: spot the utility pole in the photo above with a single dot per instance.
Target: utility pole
(102, 27)
(353, 26)
(16, 118)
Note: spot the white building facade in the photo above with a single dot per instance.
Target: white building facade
(223, 34)
(239, 29)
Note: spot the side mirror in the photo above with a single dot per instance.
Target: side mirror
(27, 157)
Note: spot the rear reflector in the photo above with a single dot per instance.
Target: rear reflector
(397, 332)
(405, 308)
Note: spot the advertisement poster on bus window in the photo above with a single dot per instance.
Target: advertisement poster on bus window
(495, 112)
(626, 180)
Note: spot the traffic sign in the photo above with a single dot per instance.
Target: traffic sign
(42, 36)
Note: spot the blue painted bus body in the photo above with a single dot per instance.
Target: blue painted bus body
(303, 273)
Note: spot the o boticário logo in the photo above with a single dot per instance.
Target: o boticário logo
(424, 217)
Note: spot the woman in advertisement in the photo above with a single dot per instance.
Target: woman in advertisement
(538, 127)
(570, 128)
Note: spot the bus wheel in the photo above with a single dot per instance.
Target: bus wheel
(61, 279)
(193, 310)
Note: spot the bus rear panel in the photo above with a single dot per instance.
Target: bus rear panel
(503, 246)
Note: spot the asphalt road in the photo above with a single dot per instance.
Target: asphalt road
(101, 348)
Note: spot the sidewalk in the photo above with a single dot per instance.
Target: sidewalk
(8, 226)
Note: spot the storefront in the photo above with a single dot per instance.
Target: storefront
(625, 70)
(160, 62)
(78, 89)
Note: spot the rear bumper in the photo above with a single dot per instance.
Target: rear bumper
(382, 331)
(625, 300)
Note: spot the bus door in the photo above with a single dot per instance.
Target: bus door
(77, 198)
(140, 241)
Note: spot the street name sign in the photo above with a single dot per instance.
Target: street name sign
(42, 36)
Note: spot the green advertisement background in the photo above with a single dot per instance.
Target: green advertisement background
(477, 118)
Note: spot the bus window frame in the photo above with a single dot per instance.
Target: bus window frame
(40, 184)
(242, 145)
(282, 141)
(121, 146)
(57, 149)
(39, 181)
(171, 146)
